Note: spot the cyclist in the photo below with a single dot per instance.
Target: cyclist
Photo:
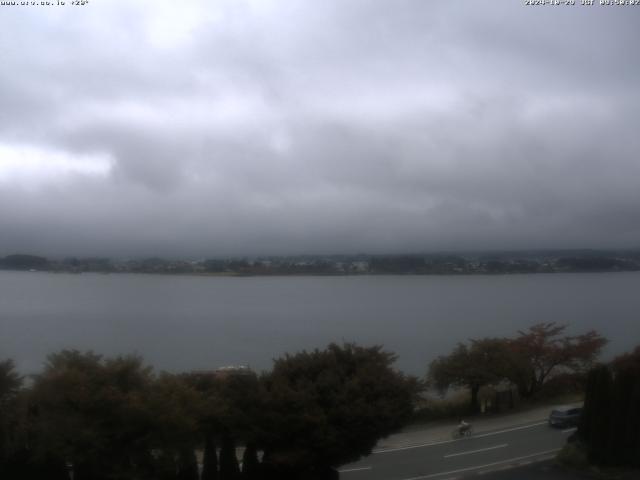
(463, 427)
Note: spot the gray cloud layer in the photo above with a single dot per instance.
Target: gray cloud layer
(253, 127)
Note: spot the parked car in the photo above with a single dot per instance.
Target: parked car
(565, 416)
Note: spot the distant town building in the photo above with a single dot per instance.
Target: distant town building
(233, 370)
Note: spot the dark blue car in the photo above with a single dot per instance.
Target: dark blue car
(566, 416)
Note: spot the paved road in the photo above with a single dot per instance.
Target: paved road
(546, 470)
(483, 452)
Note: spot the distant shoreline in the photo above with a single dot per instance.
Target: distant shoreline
(281, 275)
(479, 263)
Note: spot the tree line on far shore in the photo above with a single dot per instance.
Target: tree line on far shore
(428, 264)
(114, 418)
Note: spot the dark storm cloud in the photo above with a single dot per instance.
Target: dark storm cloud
(273, 127)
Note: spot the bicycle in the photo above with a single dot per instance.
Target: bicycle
(461, 433)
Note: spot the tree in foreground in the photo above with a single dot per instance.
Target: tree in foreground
(329, 407)
(482, 362)
(176, 409)
(11, 426)
(115, 419)
(250, 463)
(229, 468)
(10, 381)
(233, 402)
(542, 351)
(92, 412)
(528, 361)
(597, 412)
(209, 459)
(610, 423)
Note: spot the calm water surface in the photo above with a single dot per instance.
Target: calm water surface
(182, 322)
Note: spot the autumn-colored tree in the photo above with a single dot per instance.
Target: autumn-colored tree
(481, 362)
(629, 360)
(542, 351)
(10, 380)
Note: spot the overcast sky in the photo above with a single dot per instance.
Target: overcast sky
(242, 127)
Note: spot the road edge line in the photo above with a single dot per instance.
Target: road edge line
(478, 467)
(443, 442)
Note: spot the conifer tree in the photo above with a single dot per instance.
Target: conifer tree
(210, 459)
(598, 414)
(623, 432)
(187, 465)
(250, 464)
(229, 468)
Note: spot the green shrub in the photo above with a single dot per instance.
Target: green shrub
(454, 406)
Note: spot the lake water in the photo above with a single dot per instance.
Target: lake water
(187, 322)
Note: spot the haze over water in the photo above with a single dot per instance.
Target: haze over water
(180, 323)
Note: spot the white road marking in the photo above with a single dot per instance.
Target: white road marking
(443, 442)
(476, 451)
(513, 429)
(546, 452)
(570, 430)
(409, 447)
(354, 469)
(493, 470)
